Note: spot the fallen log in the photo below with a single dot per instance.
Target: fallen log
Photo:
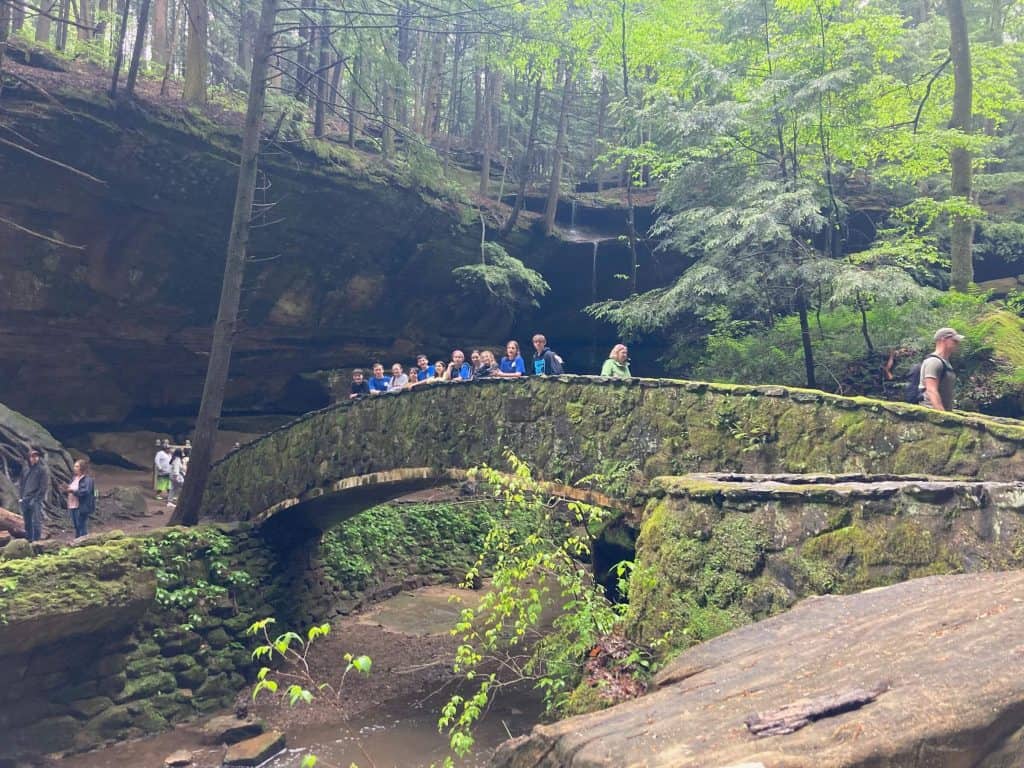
(793, 717)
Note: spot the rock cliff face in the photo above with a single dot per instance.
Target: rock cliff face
(351, 263)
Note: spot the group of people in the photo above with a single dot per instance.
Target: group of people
(482, 363)
(34, 486)
(169, 467)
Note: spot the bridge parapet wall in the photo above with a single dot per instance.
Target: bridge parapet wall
(570, 426)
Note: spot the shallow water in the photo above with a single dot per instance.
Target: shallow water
(400, 734)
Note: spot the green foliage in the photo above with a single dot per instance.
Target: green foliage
(536, 558)
(291, 650)
(180, 585)
(502, 279)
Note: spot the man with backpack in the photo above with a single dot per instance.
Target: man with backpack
(931, 382)
(545, 362)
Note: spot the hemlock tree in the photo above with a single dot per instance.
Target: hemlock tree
(187, 511)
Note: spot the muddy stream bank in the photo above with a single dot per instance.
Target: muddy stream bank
(387, 719)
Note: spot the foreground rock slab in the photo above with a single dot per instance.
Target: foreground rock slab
(255, 750)
(950, 649)
(228, 729)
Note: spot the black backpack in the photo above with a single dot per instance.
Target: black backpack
(912, 389)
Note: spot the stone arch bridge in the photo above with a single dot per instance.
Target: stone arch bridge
(331, 464)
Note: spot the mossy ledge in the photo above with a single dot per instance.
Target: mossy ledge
(713, 554)
(571, 426)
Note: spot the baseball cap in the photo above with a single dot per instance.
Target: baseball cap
(947, 333)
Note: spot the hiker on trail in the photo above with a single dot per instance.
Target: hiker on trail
(937, 378)
(545, 362)
(81, 492)
(35, 481)
(617, 364)
(177, 476)
(162, 465)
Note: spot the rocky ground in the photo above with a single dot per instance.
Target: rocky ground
(923, 674)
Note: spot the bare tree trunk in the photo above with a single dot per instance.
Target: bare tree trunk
(61, 43)
(527, 165)
(478, 108)
(962, 231)
(43, 21)
(319, 116)
(85, 18)
(161, 40)
(554, 188)
(387, 136)
(246, 33)
(190, 503)
(335, 89)
(353, 101)
(805, 339)
(454, 95)
(17, 16)
(404, 55)
(487, 133)
(432, 98)
(172, 45)
(5, 25)
(197, 57)
(140, 39)
(119, 52)
(102, 9)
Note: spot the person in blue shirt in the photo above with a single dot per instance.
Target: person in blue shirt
(511, 365)
(423, 369)
(378, 382)
(545, 361)
(458, 369)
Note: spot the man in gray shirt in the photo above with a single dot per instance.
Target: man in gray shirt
(937, 376)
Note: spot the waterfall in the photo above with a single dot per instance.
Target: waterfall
(572, 216)
(593, 274)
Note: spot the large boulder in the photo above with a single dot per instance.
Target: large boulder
(17, 434)
(945, 651)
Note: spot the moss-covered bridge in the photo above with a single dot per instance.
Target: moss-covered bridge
(332, 463)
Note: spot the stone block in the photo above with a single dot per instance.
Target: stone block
(89, 708)
(144, 667)
(111, 724)
(109, 686)
(228, 729)
(218, 638)
(54, 734)
(191, 677)
(144, 687)
(254, 751)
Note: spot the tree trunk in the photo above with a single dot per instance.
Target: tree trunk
(453, 95)
(527, 165)
(85, 18)
(353, 102)
(61, 43)
(119, 52)
(320, 113)
(478, 109)
(962, 232)
(102, 9)
(140, 39)
(404, 55)
(335, 89)
(43, 21)
(197, 56)
(554, 188)
(432, 98)
(487, 133)
(161, 40)
(17, 16)
(387, 135)
(805, 339)
(190, 503)
(5, 25)
(246, 33)
(172, 45)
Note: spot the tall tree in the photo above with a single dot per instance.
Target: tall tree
(962, 234)
(140, 40)
(161, 38)
(197, 57)
(560, 150)
(190, 503)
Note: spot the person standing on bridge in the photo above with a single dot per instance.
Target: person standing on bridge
(359, 386)
(423, 369)
(378, 382)
(545, 361)
(511, 365)
(398, 380)
(458, 369)
(617, 364)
